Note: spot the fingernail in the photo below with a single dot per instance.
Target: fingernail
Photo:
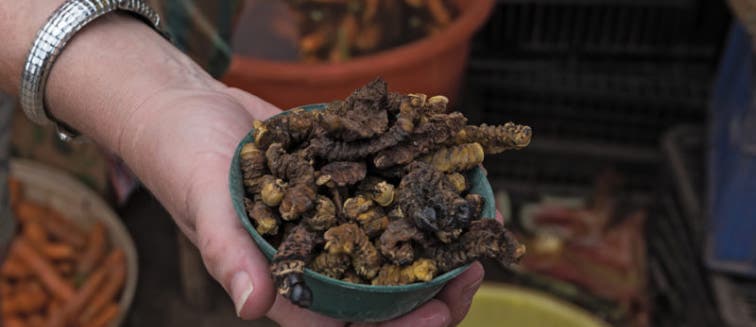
(434, 320)
(241, 288)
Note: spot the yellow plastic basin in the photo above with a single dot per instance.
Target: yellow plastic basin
(504, 305)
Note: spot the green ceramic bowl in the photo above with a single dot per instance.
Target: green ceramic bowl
(357, 302)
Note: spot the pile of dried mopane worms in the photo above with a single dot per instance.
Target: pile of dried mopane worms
(373, 190)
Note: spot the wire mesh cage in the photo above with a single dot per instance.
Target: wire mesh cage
(669, 29)
(599, 81)
(682, 286)
(532, 173)
(625, 104)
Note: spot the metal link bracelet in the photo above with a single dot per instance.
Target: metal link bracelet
(62, 25)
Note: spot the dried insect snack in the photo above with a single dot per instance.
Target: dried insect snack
(495, 139)
(422, 270)
(323, 216)
(342, 173)
(455, 158)
(373, 190)
(430, 134)
(350, 239)
(289, 264)
(266, 220)
(331, 264)
(300, 196)
(378, 190)
(486, 238)
(395, 243)
(368, 214)
(430, 201)
(459, 181)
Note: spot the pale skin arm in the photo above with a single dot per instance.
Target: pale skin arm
(126, 88)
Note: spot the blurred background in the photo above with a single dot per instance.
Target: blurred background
(635, 197)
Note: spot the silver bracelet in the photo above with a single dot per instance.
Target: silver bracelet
(62, 25)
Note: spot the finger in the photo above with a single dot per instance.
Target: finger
(258, 108)
(499, 217)
(434, 313)
(287, 314)
(228, 251)
(458, 293)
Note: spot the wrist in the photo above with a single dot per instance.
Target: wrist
(19, 23)
(108, 70)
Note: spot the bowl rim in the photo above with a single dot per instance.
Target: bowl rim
(268, 250)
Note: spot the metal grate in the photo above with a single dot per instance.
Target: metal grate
(680, 283)
(599, 81)
(531, 173)
(627, 105)
(593, 116)
(616, 28)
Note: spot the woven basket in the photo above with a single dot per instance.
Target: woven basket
(57, 190)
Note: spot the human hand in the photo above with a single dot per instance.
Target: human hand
(182, 151)
(126, 88)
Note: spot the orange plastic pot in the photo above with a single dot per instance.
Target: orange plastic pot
(433, 65)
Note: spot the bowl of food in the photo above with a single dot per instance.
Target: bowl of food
(72, 261)
(367, 207)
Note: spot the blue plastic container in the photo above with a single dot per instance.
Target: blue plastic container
(732, 161)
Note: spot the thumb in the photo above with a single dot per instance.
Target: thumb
(230, 255)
